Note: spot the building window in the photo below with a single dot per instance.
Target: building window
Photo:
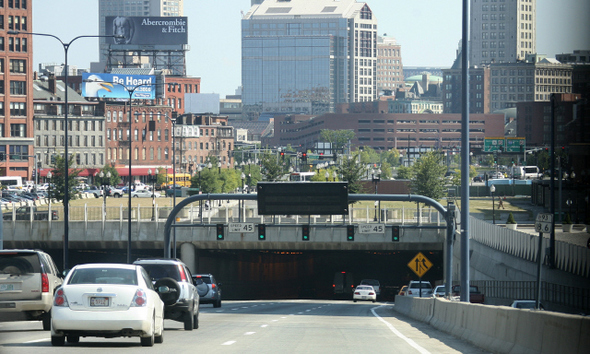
(18, 66)
(18, 109)
(18, 130)
(18, 88)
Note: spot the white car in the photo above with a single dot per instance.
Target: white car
(144, 193)
(364, 292)
(439, 291)
(107, 300)
(419, 289)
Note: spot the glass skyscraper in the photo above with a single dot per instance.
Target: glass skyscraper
(304, 56)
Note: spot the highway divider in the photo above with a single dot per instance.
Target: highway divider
(501, 329)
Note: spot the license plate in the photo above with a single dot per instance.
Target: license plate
(6, 287)
(364, 297)
(99, 301)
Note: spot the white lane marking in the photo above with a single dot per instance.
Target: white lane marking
(271, 321)
(215, 311)
(264, 326)
(399, 334)
(249, 333)
(231, 309)
(38, 340)
(244, 307)
(281, 317)
(305, 310)
(299, 313)
(230, 342)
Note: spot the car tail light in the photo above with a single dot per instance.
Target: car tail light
(140, 299)
(409, 292)
(357, 293)
(213, 286)
(371, 293)
(182, 274)
(44, 283)
(60, 298)
(333, 285)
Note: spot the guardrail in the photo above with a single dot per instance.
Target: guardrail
(568, 257)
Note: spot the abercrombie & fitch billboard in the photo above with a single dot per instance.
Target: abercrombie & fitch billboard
(118, 86)
(146, 30)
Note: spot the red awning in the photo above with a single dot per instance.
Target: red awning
(83, 173)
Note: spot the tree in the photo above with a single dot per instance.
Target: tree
(429, 172)
(404, 172)
(58, 178)
(456, 178)
(352, 172)
(391, 156)
(114, 180)
(369, 156)
(385, 170)
(273, 169)
(337, 138)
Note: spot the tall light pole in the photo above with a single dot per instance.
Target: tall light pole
(243, 177)
(49, 175)
(173, 120)
(152, 179)
(65, 46)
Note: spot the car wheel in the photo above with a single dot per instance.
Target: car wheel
(46, 320)
(96, 196)
(171, 297)
(217, 303)
(353, 300)
(149, 340)
(188, 321)
(118, 195)
(72, 338)
(136, 196)
(196, 321)
(58, 341)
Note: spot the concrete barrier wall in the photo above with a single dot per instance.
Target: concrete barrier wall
(502, 329)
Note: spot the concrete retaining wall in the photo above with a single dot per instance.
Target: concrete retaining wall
(501, 329)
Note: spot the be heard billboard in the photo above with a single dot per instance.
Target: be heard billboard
(146, 30)
(119, 86)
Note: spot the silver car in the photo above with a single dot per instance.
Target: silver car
(28, 280)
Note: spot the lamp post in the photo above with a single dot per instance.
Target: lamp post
(104, 194)
(66, 202)
(173, 120)
(327, 175)
(376, 176)
(334, 175)
(492, 190)
(219, 167)
(153, 179)
(243, 177)
(49, 175)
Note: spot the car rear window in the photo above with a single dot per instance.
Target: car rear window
(370, 282)
(104, 276)
(159, 271)
(206, 280)
(417, 286)
(18, 263)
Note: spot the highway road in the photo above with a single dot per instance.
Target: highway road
(286, 326)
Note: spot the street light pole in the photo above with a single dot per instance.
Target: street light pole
(173, 120)
(65, 46)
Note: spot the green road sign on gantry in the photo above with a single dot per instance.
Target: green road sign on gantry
(494, 144)
(515, 145)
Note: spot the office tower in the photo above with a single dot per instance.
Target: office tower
(502, 31)
(16, 88)
(390, 70)
(153, 8)
(304, 56)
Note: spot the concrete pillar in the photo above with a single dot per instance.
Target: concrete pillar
(188, 254)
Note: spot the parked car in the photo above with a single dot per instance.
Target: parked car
(208, 288)
(28, 280)
(403, 290)
(24, 213)
(479, 178)
(144, 193)
(475, 296)
(182, 301)
(497, 175)
(526, 304)
(364, 292)
(114, 192)
(374, 283)
(439, 291)
(419, 289)
(94, 190)
(107, 300)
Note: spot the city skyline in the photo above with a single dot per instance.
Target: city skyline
(414, 25)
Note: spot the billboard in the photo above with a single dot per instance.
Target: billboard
(146, 30)
(119, 86)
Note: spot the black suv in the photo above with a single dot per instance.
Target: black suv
(208, 288)
(173, 280)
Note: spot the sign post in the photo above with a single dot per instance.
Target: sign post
(542, 224)
(420, 265)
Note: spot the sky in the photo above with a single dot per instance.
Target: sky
(428, 31)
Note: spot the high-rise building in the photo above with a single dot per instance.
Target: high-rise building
(158, 8)
(16, 90)
(304, 56)
(532, 80)
(390, 71)
(502, 30)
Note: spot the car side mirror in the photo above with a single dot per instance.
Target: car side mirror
(163, 289)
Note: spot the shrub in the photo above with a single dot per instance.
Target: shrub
(511, 219)
(568, 219)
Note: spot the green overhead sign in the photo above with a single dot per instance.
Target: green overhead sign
(502, 144)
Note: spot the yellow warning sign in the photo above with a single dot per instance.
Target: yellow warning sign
(420, 264)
